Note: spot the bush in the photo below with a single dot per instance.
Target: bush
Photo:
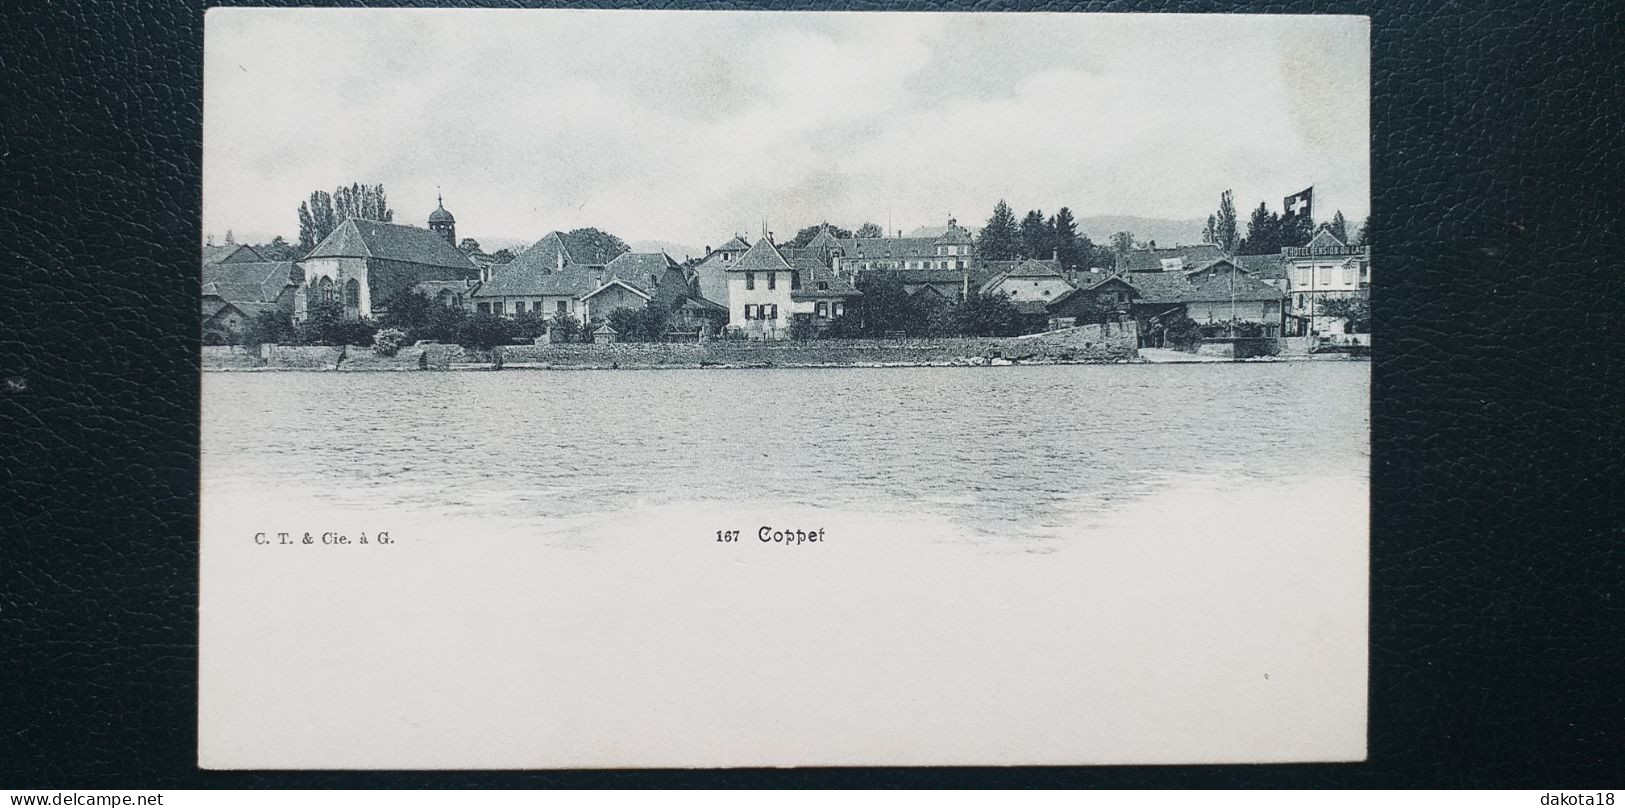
(845, 326)
(388, 341)
(1183, 334)
(484, 331)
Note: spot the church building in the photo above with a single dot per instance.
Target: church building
(365, 264)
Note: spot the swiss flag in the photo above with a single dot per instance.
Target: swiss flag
(1299, 203)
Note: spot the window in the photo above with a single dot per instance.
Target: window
(772, 311)
(519, 307)
(496, 308)
(485, 308)
(1303, 301)
(750, 280)
(837, 308)
(748, 308)
(1348, 276)
(772, 280)
(823, 309)
(795, 280)
(823, 286)
(1324, 277)
(959, 265)
(562, 307)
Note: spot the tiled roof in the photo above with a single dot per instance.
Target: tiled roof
(259, 282)
(543, 256)
(617, 282)
(888, 249)
(1326, 239)
(825, 240)
(1151, 260)
(516, 280)
(813, 273)
(761, 257)
(640, 268)
(1029, 268)
(735, 243)
(1228, 282)
(1197, 286)
(1266, 267)
(224, 253)
(363, 238)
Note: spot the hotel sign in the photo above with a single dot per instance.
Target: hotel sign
(1298, 252)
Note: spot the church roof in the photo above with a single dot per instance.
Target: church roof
(363, 238)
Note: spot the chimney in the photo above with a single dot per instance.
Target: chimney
(559, 256)
(1055, 254)
(598, 277)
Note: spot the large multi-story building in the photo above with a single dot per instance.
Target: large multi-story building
(950, 247)
(770, 287)
(1325, 268)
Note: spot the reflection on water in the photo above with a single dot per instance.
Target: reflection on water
(1014, 452)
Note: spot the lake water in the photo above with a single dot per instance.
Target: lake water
(1041, 565)
(1015, 452)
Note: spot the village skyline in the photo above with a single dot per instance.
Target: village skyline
(684, 146)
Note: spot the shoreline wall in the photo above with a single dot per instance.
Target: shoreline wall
(1081, 344)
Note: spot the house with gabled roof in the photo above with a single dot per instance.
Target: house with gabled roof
(770, 286)
(1030, 284)
(712, 272)
(365, 264)
(1217, 291)
(235, 293)
(1168, 259)
(1325, 268)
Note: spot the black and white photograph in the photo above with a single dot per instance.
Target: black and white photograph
(590, 389)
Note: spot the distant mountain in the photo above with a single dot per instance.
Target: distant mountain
(1166, 232)
(677, 251)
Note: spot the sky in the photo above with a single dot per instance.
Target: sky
(690, 126)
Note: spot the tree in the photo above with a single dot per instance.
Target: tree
(277, 249)
(361, 202)
(1000, 239)
(1037, 239)
(1263, 232)
(640, 324)
(1354, 309)
(1221, 226)
(502, 256)
(315, 220)
(268, 327)
(869, 230)
(806, 234)
(885, 305)
(468, 246)
(1296, 230)
(602, 246)
(982, 315)
(230, 239)
(1339, 227)
(1361, 239)
(1064, 230)
(1122, 243)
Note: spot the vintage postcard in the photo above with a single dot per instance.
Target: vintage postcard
(604, 389)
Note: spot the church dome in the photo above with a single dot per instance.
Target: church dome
(440, 213)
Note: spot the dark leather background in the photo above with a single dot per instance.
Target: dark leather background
(1498, 599)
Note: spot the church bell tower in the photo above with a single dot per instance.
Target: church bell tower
(442, 222)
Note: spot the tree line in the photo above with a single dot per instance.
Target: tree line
(1004, 238)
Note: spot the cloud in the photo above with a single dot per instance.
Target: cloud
(688, 126)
